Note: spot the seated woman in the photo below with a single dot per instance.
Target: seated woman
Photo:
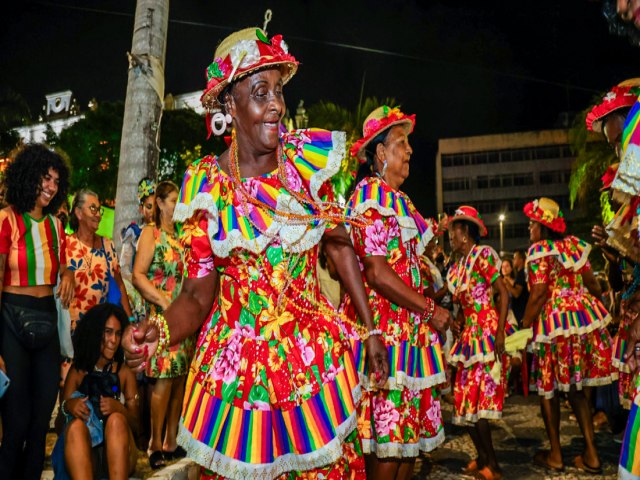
(98, 436)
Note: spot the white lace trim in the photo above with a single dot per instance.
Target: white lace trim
(403, 450)
(477, 358)
(401, 381)
(295, 238)
(408, 228)
(566, 387)
(620, 366)
(569, 264)
(624, 474)
(473, 418)
(237, 470)
(595, 325)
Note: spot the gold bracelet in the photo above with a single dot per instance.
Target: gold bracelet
(164, 339)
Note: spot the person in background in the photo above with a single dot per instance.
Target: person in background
(481, 325)
(518, 290)
(91, 258)
(32, 260)
(158, 274)
(131, 234)
(100, 400)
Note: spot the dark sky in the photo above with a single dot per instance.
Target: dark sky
(465, 68)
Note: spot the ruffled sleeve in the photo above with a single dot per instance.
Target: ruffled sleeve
(378, 237)
(538, 271)
(198, 192)
(317, 155)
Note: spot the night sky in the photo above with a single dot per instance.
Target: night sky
(465, 68)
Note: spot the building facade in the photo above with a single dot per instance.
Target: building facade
(498, 174)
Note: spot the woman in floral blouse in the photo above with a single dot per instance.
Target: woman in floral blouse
(272, 390)
(571, 346)
(90, 257)
(157, 274)
(403, 418)
(478, 353)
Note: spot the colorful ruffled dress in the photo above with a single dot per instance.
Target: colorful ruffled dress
(480, 382)
(404, 417)
(166, 273)
(629, 464)
(571, 345)
(273, 388)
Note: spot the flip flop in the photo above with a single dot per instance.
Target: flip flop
(541, 459)
(578, 462)
(472, 467)
(156, 460)
(487, 474)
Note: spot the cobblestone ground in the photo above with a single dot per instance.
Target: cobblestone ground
(516, 438)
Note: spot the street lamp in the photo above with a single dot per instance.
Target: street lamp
(501, 218)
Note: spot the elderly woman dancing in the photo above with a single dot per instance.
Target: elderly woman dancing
(403, 418)
(273, 387)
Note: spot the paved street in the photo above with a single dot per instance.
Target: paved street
(516, 438)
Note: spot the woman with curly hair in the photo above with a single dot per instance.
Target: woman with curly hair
(32, 260)
(98, 439)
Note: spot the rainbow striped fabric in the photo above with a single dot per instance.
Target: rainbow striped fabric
(35, 249)
(572, 252)
(373, 192)
(631, 132)
(407, 362)
(246, 443)
(629, 465)
(315, 155)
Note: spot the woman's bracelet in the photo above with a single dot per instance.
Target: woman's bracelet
(164, 339)
(429, 310)
(375, 331)
(63, 409)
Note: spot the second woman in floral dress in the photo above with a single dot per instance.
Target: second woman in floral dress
(403, 418)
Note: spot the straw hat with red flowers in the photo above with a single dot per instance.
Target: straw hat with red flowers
(376, 122)
(546, 212)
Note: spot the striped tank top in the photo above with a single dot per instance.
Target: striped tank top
(35, 249)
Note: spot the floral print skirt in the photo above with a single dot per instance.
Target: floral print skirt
(583, 360)
(173, 362)
(478, 391)
(400, 423)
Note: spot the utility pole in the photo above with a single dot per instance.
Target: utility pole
(139, 151)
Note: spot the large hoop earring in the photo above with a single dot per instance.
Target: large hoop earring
(220, 122)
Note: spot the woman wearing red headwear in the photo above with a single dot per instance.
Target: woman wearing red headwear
(478, 353)
(401, 419)
(571, 346)
(272, 390)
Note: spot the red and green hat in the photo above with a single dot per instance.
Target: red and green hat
(623, 95)
(469, 214)
(242, 53)
(547, 212)
(377, 121)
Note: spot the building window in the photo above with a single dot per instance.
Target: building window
(451, 184)
(506, 156)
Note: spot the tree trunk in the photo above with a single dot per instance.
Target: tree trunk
(139, 150)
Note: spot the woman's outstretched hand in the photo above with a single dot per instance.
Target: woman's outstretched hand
(140, 342)
(378, 360)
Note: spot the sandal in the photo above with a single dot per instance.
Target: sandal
(487, 474)
(472, 467)
(156, 460)
(578, 462)
(541, 459)
(178, 453)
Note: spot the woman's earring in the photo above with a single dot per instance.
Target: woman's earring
(464, 239)
(384, 169)
(219, 123)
